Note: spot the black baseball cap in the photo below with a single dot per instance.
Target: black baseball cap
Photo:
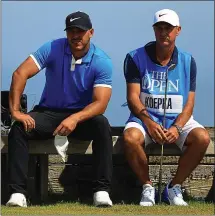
(78, 19)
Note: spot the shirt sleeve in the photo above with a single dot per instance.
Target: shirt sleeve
(193, 72)
(42, 56)
(131, 72)
(103, 75)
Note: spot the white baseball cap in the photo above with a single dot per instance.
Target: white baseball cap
(168, 16)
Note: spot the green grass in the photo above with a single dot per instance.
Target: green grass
(68, 208)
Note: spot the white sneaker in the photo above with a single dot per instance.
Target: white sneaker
(17, 199)
(101, 198)
(174, 195)
(148, 195)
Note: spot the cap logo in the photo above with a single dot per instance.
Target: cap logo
(72, 19)
(160, 15)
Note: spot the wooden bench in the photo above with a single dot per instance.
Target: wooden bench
(40, 150)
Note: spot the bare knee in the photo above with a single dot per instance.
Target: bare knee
(199, 137)
(203, 137)
(132, 137)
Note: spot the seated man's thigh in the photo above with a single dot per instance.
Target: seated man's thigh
(95, 127)
(186, 135)
(45, 124)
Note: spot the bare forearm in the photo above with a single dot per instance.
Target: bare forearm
(90, 111)
(183, 118)
(185, 115)
(138, 109)
(187, 111)
(16, 90)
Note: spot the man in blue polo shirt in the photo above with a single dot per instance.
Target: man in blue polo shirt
(76, 94)
(150, 70)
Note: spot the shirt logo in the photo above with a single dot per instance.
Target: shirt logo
(72, 19)
(155, 81)
(160, 15)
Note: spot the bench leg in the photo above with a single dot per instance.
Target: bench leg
(32, 179)
(43, 178)
(4, 176)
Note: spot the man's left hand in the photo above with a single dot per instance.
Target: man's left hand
(172, 134)
(66, 126)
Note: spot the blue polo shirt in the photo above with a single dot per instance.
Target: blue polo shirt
(69, 83)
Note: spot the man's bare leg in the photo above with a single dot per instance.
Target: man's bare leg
(133, 146)
(197, 142)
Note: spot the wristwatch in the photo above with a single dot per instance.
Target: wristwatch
(179, 129)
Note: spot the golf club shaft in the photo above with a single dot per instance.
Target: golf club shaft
(162, 149)
(161, 157)
(160, 175)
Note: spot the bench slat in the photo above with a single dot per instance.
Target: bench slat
(85, 147)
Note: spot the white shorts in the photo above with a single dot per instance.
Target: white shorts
(190, 125)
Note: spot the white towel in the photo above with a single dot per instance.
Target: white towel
(61, 148)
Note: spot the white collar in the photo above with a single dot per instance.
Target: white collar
(79, 61)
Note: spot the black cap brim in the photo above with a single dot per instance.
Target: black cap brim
(76, 26)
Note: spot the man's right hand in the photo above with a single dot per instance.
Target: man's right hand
(157, 132)
(27, 121)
